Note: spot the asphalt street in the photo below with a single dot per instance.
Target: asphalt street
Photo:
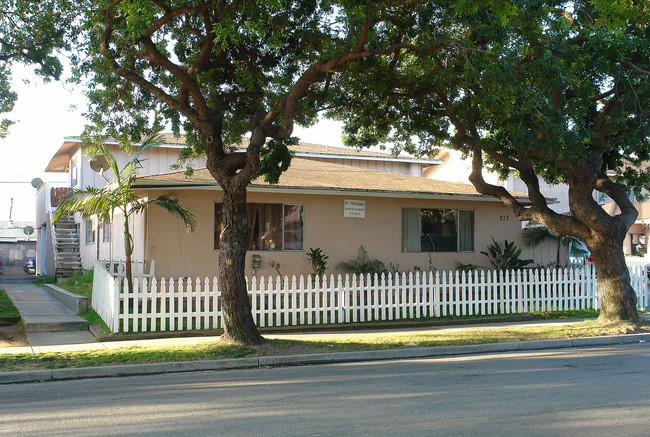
(593, 391)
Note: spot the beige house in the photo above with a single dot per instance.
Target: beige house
(335, 199)
(406, 222)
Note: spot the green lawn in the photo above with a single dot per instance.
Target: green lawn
(7, 308)
(79, 283)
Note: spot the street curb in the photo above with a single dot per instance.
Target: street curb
(322, 358)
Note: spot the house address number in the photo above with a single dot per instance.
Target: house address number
(504, 218)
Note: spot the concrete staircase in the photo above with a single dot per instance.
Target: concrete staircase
(68, 258)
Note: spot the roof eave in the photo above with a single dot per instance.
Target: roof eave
(369, 158)
(329, 191)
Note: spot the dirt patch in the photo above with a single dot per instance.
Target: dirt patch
(12, 335)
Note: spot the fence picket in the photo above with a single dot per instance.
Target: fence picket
(332, 299)
(304, 307)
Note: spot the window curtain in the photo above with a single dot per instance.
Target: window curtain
(411, 223)
(264, 226)
(293, 227)
(217, 225)
(268, 229)
(466, 231)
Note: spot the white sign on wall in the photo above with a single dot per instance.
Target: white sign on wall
(354, 208)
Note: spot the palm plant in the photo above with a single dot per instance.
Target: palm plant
(119, 195)
(363, 265)
(536, 235)
(507, 258)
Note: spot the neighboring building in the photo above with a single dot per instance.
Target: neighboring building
(336, 199)
(16, 245)
(638, 236)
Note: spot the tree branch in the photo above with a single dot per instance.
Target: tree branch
(635, 68)
(628, 212)
(141, 81)
(476, 178)
(170, 14)
(155, 56)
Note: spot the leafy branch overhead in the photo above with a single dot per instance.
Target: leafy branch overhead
(33, 33)
(556, 91)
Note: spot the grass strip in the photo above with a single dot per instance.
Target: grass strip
(79, 283)
(355, 342)
(7, 308)
(92, 317)
(127, 355)
(43, 281)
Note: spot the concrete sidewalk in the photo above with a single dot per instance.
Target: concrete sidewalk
(49, 325)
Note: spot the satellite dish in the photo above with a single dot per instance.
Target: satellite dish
(28, 230)
(37, 183)
(99, 164)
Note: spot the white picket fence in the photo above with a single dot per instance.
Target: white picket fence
(185, 304)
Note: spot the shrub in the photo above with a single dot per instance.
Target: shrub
(506, 258)
(364, 265)
(318, 262)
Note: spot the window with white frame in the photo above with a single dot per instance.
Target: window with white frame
(270, 226)
(73, 173)
(91, 231)
(437, 230)
(105, 228)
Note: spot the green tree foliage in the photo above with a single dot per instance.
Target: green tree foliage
(32, 32)
(119, 195)
(555, 90)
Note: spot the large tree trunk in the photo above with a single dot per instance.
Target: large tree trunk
(602, 233)
(617, 297)
(236, 306)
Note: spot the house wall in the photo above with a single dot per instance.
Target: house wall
(405, 168)
(114, 248)
(45, 251)
(179, 253)
(50, 261)
(154, 161)
(455, 169)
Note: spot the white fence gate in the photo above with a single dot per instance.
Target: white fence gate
(186, 304)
